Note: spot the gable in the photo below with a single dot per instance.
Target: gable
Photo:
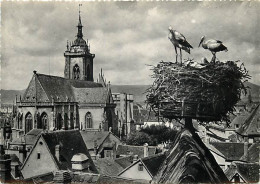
(133, 172)
(31, 165)
(35, 91)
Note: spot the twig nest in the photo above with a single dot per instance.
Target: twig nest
(203, 91)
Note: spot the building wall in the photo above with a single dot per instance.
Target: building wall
(97, 116)
(34, 166)
(134, 173)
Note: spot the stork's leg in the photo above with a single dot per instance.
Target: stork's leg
(176, 54)
(214, 57)
(181, 56)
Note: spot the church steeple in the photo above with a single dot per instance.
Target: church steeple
(80, 34)
(78, 59)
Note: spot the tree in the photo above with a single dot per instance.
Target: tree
(139, 139)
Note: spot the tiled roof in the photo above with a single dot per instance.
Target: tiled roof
(154, 162)
(30, 137)
(189, 160)
(90, 136)
(55, 88)
(107, 167)
(252, 125)
(249, 171)
(85, 178)
(125, 161)
(135, 150)
(253, 153)
(231, 150)
(71, 143)
(91, 95)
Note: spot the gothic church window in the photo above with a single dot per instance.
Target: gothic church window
(76, 72)
(44, 121)
(28, 122)
(88, 120)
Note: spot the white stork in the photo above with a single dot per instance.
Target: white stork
(178, 40)
(213, 46)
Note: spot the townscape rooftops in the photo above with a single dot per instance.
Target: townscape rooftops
(189, 160)
(30, 137)
(252, 125)
(125, 161)
(248, 171)
(154, 162)
(253, 153)
(135, 150)
(90, 136)
(119, 180)
(70, 143)
(107, 167)
(231, 150)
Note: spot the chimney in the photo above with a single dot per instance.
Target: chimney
(146, 150)
(5, 166)
(246, 150)
(95, 147)
(135, 158)
(57, 152)
(62, 176)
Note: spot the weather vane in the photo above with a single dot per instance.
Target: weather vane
(79, 7)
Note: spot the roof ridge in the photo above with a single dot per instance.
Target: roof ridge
(153, 156)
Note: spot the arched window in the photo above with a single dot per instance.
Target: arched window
(88, 120)
(76, 71)
(44, 121)
(59, 122)
(28, 122)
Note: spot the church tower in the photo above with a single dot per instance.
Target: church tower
(78, 59)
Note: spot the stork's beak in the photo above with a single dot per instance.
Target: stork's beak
(200, 42)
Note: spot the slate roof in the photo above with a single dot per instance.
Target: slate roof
(154, 162)
(135, 150)
(30, 138)
(90, 136)
(91, 95)
(189, 160)
(85, 178)
(70, 142)
(253, 153)
(47, 87)
(231, 150)
(125, 161)
(249, 171)
(251, 127)
(107, 167)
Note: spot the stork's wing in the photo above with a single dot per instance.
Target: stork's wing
(181, 39)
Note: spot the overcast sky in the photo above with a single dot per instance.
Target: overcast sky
(125, 36)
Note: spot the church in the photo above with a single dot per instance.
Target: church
(73, 102)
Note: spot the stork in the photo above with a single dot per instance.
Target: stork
(178, 40)
(213, 46)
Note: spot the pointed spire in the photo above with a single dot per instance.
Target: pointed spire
(80, 34)
(67, 45)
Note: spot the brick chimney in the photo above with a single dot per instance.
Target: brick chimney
(146, 154)
(57, 152)
(5, 166)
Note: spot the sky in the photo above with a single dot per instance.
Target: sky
(126, 37)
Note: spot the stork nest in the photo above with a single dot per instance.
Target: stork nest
(208, 93)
